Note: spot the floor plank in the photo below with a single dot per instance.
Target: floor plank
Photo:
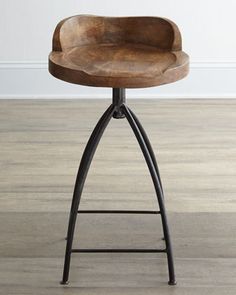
(41, 144)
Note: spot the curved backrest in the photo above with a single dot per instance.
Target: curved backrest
(87, 29)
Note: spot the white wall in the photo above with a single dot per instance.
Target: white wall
(208, 29)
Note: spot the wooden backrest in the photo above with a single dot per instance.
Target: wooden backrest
(87, 29)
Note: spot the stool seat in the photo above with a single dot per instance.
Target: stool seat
(118, 52)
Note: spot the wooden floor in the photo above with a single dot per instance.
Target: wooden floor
(41, 143)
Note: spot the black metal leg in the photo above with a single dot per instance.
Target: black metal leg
(79, 184)
(158, 190)
(118, 110)
(149, 147)
(148, 144)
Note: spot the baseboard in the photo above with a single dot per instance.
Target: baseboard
(105, 96)
(31, 80)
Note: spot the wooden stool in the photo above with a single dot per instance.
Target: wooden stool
(118, 52)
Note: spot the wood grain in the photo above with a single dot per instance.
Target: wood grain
(41, 145)
(194, 235)
(42, 142)
(118, 52)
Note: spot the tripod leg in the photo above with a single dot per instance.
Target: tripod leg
(158, 190)
(148, 144)
(79, 184)
(149, 147)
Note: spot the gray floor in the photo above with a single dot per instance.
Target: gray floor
(41, 145)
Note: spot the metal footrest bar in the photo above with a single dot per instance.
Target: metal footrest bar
(118, 251)
(118, 212)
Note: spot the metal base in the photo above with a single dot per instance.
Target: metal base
(118, 110)
(118, 251)
(64, 283)
(118, 212)
(172, 283)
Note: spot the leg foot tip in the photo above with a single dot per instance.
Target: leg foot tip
(64, 282)
(172, 283)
